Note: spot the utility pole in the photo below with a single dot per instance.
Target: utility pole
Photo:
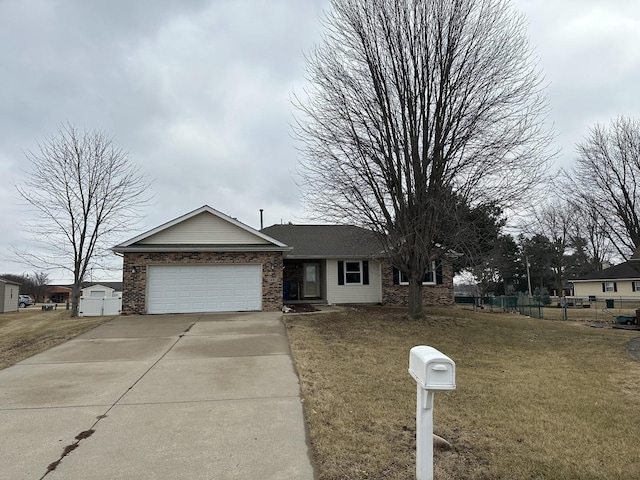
(526, 259)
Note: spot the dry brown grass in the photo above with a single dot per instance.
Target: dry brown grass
(536, 399)
(31, 331)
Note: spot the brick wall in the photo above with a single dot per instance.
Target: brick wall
(135, 284)
(433, 295)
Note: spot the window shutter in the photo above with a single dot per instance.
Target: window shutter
(396, 276)
(365, 272)
(439, 280)
(340, 273)
(633, 286)
(615, 287)
(604, 289)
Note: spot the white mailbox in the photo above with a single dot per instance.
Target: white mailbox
(432, 369)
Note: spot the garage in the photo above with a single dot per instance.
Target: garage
(203, 261)
(204, 288)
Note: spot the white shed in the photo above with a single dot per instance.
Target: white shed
(9, 293)
(98, 291)
(99, 300)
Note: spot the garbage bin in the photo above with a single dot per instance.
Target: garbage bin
(609, 302)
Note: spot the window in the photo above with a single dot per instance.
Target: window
(609, 287)
(428, 279)
(635, 286)
(352, 273)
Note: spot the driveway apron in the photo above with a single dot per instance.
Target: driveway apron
(211, 396)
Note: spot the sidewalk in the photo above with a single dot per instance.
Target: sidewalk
(158, 397)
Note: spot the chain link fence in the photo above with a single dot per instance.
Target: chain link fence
(609, 309)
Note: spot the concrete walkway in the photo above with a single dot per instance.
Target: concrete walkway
(210, 396)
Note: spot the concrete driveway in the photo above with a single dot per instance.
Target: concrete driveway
(212, 396)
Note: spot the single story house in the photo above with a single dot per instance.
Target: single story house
(9, 295)
(621, 280)
(344, 264)
(59, 294)
(206, 261)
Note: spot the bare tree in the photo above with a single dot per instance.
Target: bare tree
(555, 221)
(40, 285)
(606, 177)
(414, 108)
(590, 234)
(83, 189)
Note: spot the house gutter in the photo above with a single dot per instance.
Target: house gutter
(223, 248)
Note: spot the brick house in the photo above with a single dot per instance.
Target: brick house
(205, 261)
(344, 264)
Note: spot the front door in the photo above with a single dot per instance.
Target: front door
(311, 284)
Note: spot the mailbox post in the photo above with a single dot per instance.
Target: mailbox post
(433, 371)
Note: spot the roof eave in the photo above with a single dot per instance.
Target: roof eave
(182, 248)
(333, 257)
(606, 279)
(186, 216)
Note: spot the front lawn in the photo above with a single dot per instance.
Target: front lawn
(32, 330)
(536, 399)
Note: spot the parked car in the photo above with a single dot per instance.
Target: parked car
(24, 301)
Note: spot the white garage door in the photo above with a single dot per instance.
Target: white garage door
(204, 288)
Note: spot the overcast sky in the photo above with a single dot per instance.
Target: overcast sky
(198, 91)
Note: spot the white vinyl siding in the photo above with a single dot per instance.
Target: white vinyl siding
(204, 288)
(354, 293)
(10, 297)
(202, 229)
(97, 291)
(594, 288)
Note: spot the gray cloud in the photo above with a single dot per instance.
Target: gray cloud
(199, 91)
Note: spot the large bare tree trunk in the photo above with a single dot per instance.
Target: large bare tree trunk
(75, 299)
(416, 308)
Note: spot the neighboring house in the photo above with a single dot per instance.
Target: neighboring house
(58, 294)
(339, 264)
(621, 280)
(203, 261)
(9, 294)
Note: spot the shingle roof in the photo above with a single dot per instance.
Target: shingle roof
(326, 241)
(117, 286)
(627, 270)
